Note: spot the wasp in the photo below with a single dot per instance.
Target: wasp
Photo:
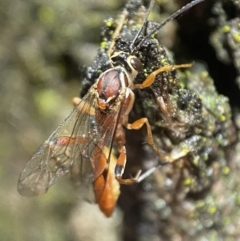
(82, 145)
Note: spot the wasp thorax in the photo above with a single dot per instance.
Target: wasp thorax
(108, 87)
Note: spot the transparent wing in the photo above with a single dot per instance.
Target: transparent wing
(76, 147)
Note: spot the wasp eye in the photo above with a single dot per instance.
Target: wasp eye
(135, 63)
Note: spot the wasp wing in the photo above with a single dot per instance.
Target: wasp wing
(76, 147)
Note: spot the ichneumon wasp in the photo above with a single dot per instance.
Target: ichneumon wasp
(82, 144)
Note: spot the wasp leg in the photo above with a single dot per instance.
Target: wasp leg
(117, 32)
(120, 166)
(150, 79)
(138, 124)
(76, 101)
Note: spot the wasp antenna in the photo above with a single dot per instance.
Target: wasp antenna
(143, 24)
(173, 16)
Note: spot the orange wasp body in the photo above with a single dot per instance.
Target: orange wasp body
(82, 144)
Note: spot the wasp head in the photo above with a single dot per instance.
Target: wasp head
(129, 62)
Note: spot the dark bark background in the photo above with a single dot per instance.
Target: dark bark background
(43, 47)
